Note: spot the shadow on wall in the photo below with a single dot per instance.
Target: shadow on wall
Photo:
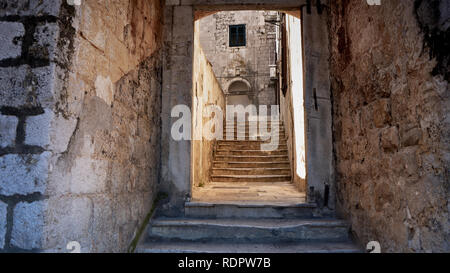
(433, 17)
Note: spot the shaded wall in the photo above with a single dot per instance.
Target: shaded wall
(318, 108)
(207, 93)
(391, 121)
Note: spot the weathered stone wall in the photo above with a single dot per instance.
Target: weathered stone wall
(391, 121)
(85, 96)
(251, 62)
(207, 93)
(106, 179)
(177, 90)
(29, 31)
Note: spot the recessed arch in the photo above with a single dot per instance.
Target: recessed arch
(238, 85)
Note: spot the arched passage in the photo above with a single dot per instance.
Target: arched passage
(176, 178)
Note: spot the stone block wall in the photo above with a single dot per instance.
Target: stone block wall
(80, 122)
(391, 121)
(29, 31)
(207, 93)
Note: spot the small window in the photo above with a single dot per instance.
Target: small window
(237, 35)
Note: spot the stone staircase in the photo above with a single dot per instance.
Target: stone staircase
(243, 226)
(246, 228)
(237, 160)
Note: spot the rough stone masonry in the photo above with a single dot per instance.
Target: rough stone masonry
(80, 103)
(391, 121)
(85, 98)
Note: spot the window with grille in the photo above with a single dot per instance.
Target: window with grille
(237, 35)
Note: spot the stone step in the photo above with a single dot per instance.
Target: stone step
(247, 132)
(253, 123)
(255, 158)
(251, 146)
(252, 138)
(247, 136)
(245, 210)
(250, 178)
(255, 130)
(235, 121)
(235, 164)
(233, 247)
(251, 171)
(268, 124)
(250, 143)
(249, 230)
(250, 152)
(254, 126)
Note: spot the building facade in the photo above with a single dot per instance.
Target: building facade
(242, 46)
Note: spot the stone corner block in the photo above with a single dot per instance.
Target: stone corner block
(8, 128)
(26, 86)
(50, 131)
(37, 129)
(46, 40)
(30, 7)
(11, 34)
(28, 225)
(23, 174)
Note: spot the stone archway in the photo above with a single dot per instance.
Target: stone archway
(176, 177)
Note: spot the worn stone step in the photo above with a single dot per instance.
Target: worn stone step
(248, 133)
(250, 230)
(251, 171)
(258, 125)
(235, 164)
(253, 124)
(251, 146)
(247, 136)
(250, 178)
(252, 137)
(252, 120)
(251, 193)
(257, 128)
(255, 158)
(233, 247)
(250, 143)
(246, 210)
(229, 133)
(250, 152)
(252, 130)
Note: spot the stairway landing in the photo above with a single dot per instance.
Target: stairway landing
(279, 193)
